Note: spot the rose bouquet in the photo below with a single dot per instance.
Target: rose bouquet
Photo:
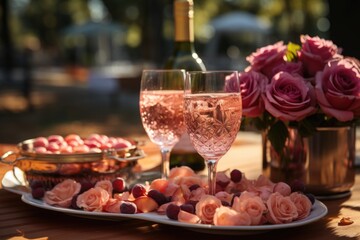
(304, 87)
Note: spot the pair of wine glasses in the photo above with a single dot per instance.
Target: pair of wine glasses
(206, 104)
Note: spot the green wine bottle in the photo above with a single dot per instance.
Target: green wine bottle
(185, 57)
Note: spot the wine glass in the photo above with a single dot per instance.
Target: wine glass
(161, 110)
(212, 113)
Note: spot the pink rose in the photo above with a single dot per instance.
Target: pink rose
(113, 205)
(315, 52)
(93, 200)
(189, 181)
(262, 186)
(294, 68)
(268, 57)
(225, 216)
(338, 89)
(289, 97)
(106, 185)
(282, 188)
(232, 83)
(224, 196)
(252, 86)
(302, 203)
(280, 209)
(205, 208)
(62, 194)
(182, 171)
(251, 204)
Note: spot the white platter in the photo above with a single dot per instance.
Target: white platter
(319, 210)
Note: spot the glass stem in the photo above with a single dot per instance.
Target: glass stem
(212, 164)
(165, 162)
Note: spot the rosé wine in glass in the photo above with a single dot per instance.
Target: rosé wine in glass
(162, 116)
(212, 113)
(161, 110)
(212, 122)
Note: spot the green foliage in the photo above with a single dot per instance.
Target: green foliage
(291, 52)
(277, 135)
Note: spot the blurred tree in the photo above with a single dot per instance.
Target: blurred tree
(7, 48)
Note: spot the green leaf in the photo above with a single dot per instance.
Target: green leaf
(306, 128)
(277, 135)
(291, 52)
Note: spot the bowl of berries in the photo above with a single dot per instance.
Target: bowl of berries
(49, 160)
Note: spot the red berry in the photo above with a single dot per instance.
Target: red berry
(119, 185)
(311, 197)
(235, 176)
(138, 190)
(187, 207)
(297, 186)
(73, 202)
(159, 198)
(128, 208)
(172, 211)
(38, 193)
(85, 185)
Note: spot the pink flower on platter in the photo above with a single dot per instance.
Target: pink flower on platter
(302, 203)
(338, 89)
(316, 52)
(252, 86)
(62, 194)
(113, 205)
(182, 171)
(206, 207)
(268, 57)
(280, 209)
(225, 216)
(106, 185)
(251, 204)
(289, 97)
(262, 186)
(282, 188)
(189, 181)
(224, 196)
(93, 200)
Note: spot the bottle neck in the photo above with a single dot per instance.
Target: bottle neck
(184, 22)
(184, 46)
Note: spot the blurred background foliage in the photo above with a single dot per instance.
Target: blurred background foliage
(61, 61)
(145, 27)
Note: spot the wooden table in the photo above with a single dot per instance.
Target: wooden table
(20, 219)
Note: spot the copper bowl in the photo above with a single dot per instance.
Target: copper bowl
(51, 169)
